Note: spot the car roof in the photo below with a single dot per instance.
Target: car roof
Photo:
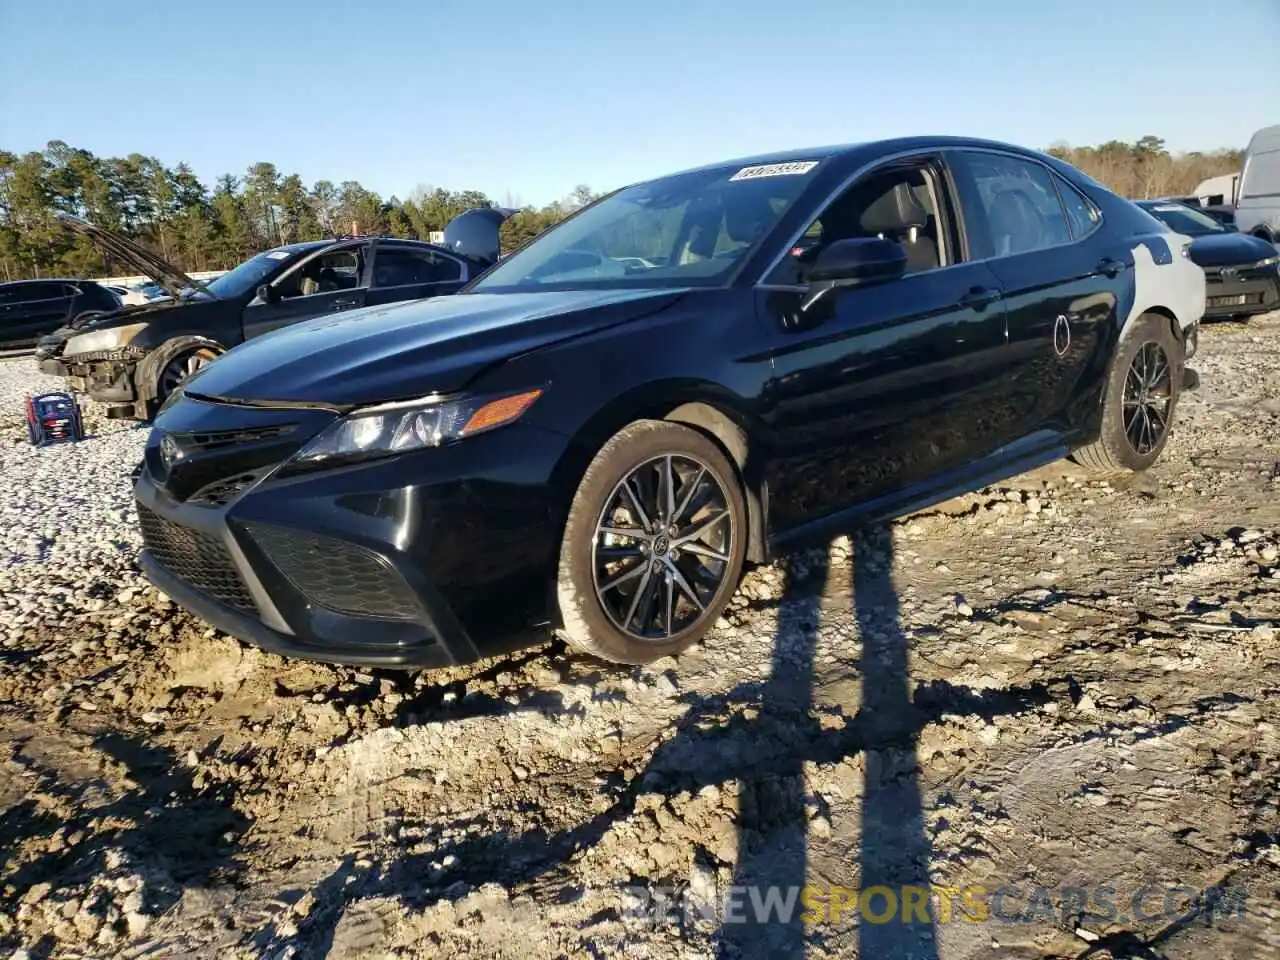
(863, 147)
(19, 283)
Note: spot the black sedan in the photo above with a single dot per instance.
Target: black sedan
(689, 374)
(1242, 272)
(30, 309)
(132, 359)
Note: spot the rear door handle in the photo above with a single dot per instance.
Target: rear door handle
(1110, 266)
(978, 297)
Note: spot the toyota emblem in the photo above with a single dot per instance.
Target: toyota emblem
(170, 451)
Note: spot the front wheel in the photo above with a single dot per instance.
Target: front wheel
(1138, 403)
(654, 544)
(181, 367)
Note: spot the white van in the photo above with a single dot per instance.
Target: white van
(1258, 208)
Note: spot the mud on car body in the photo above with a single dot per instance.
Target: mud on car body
(685, 376)
(132, 359)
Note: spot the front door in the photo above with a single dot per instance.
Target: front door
(333, 279)
(1061, 284)
(877, 388)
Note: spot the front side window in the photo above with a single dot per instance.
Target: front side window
(899, 204)
(327, 273)
(399, 266)
(1022, 209)
(689, 229)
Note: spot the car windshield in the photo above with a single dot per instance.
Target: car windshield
(1184, 220)
(689, 229)
(247, 276)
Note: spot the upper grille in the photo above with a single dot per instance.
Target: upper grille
(196, 557)
(337, 574)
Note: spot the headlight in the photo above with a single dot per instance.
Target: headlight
(110, 339)
(1267, 262)
(397, 427)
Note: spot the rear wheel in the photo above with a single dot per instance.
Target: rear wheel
(653, 546)
(1138, 404)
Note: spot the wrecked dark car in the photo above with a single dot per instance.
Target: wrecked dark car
(689, 374)
(131, 359)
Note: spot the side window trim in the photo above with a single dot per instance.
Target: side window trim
(952, 245)
(382, 245)
(971, 189)
(1061, 184)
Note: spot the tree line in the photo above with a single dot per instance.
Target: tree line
(198, 227)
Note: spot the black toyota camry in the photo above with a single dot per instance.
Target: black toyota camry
(687, 375)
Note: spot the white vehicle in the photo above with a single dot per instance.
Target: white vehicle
(1258, 208)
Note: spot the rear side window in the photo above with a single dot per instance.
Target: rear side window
(1082, 216)
(1021, 204)
(398, 266)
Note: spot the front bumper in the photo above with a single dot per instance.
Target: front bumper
(109, 381)
(1241, 295)
(427, 559)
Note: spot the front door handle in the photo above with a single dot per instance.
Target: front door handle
(346, 303)
(1110, 266)
(978, 297)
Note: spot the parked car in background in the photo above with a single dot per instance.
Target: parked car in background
(684, 375)
(30, 309)
(131, 360)
(1258, 207)
(1242, 272)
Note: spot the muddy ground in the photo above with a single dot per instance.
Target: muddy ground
(1054, 700)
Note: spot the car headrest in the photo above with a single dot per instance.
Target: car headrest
(895, 211)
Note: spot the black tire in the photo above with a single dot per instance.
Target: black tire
(1115, 450)
(587, 580)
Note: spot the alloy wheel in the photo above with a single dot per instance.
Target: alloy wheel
(1148, 393)
(179, 368)
(662, 546)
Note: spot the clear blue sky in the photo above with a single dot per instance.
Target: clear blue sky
(535, 96)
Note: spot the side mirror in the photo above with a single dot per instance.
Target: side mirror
(859, 260)
(267, 293)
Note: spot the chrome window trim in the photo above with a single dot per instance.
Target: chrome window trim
(1052, 175)
(762, 284)
(831, 198)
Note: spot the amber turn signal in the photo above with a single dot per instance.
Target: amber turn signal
(497, 412)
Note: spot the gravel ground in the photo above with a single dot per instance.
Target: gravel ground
(1055, 687)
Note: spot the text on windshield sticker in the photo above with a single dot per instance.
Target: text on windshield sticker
(792, 169)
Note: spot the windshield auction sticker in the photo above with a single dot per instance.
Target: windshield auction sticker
(792, 169)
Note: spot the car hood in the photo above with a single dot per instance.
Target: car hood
(411, 349)
(173, 280)
(1229, 249)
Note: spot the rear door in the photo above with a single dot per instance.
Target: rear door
(880, 387)
(30, 310)
(1061, 280)
(408, 271)
(330, 280)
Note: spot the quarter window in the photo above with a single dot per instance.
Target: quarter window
(1082, 216)
(397, 266)
(1022, 208)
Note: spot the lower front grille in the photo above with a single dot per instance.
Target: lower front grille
(196, 557)
(336, 574)
(1237, 300)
